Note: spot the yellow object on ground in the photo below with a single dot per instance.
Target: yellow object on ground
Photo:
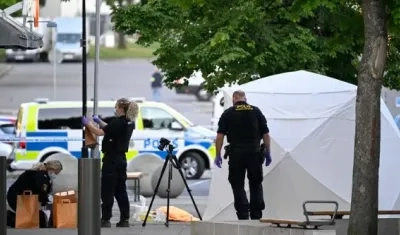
(177, 214)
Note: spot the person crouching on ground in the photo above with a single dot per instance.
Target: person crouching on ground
(38, 180)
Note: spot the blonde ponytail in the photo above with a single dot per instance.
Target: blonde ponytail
(132, 111)
(54, 165)
(39, 167)
(130, 108)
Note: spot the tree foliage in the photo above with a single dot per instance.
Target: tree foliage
(233, 40)
(6, 3)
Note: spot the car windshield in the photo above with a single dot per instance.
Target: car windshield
(183, 118)
(68, 37)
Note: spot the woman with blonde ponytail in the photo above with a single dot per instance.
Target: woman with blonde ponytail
(37, 181)
(117, 134)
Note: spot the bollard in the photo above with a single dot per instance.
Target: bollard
(89, 196)
(3, 195)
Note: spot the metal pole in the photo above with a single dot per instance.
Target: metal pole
(89, 197)
(88, 168)
(3, 193)
(55, 66)
(95, 153)
(84, 76)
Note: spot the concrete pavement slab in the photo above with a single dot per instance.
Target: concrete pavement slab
(137, 229)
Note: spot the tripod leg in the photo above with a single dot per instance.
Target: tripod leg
(168, 191)
(155, 190)
(190, 193)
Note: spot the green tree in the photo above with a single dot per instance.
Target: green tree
(6, 3)
(247, 37)
(380, 17)
(121, 34)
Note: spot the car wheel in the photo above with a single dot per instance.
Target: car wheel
(193, 165)
(36, 59)
(203, 95)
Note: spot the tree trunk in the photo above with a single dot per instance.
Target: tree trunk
(121, 41)
(364, 201)
(121, 36)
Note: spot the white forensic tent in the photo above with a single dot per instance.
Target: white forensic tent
(312, 123)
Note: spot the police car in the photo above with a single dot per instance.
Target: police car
(45, 128)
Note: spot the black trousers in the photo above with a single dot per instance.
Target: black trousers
(240, 162)
(113, 184)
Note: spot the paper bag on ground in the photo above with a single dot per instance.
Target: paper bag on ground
(66, 214)
(57, 199)
(27, 214)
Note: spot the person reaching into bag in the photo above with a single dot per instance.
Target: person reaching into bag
(38, 181)
(117, 134)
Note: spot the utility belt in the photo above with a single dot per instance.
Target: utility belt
(243, 147)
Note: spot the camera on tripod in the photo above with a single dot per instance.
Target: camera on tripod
(172, 162)
(164, 143)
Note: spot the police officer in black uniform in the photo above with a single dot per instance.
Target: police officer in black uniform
(37, 181)
(244, 125)
(115, 144)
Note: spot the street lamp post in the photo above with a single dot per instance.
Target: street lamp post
(88, 168)
(53, 25)
(3, 195)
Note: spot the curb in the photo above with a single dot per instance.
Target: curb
(5, 71)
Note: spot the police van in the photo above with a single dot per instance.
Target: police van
(44, 128)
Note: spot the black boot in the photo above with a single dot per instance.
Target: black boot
(242, 215)
(105, 224)
(255, 215)
(10, 219)
(123, 224)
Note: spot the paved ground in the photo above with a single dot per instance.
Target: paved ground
(137, 229)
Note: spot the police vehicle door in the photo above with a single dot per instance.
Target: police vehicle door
(158, 123)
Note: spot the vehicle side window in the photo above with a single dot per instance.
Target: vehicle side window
(68, 118)
(156, 118)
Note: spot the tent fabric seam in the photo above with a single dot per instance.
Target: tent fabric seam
(315, 129)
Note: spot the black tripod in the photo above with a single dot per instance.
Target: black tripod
(171, 161)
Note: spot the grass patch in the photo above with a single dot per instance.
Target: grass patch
(133, 50)
(2, 54)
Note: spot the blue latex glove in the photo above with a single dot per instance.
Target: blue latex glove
(85, 120)
(218, 161)
(96, 119)
(268, 158)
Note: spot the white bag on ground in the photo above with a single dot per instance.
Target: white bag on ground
(139, 209)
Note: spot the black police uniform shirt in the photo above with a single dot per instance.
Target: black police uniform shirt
(38, 182)
(117, 135)
(243, 124)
